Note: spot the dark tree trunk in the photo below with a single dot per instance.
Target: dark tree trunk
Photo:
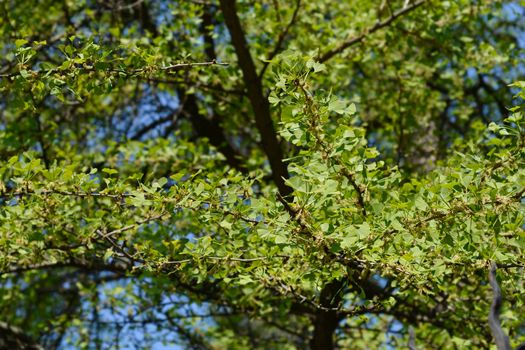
(325, 324)
(326, 318)
(260, 105)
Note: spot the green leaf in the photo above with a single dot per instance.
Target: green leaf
(109, 171)
(20, 42)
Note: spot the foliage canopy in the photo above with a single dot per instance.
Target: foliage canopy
(260, 174)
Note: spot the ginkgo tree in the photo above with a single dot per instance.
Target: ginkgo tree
(262, 174)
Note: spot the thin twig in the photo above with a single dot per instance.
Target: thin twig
(379, 25)
(126, 72)
(225, 258)
(114, 244)
(281, 38)
(189, 65)
(132, 226)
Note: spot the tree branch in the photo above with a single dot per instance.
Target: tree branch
(379, 25)
(206, 29)
(260, 105)
(502, 341)
(211, 129)
(411, 339)
(281, 38)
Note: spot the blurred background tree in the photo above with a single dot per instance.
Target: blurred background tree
(259, 174)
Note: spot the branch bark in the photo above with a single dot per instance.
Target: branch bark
(281, 38)
(326, 322)
(260, 105)
(212, 129)
(379, 25)
(502, 341)
(411, 339)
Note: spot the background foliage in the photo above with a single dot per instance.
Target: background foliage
(260, 174)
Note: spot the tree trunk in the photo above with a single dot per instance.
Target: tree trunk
(326, 318)
(325, 324)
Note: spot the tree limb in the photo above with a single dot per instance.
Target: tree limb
(411, 339)
(260, 105)
(211, 129)
(281, 38)
(502, 341)
(379, 25)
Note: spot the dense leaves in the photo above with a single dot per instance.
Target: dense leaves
(260, 175)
